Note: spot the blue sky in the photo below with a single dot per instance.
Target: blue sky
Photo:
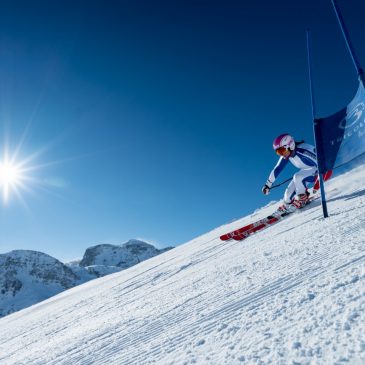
(155, 120)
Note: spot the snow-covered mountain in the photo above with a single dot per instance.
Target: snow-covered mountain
(124, 256)
(28, 277)
(291, 294)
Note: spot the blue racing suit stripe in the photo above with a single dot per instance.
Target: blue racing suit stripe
(277, 169)
(280, 166)
(307, 160)
(307, 152)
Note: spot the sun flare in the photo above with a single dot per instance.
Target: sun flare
(11, 177)
(9, 174)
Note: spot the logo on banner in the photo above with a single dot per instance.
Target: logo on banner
(353, 117)
(353, 124)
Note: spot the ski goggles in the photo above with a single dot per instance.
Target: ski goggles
(282, 151)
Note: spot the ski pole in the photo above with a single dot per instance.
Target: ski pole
(282, 183)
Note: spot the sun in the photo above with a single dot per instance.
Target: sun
(11, 177)
(9, 174)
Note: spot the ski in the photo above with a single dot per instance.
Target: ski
(245, 231)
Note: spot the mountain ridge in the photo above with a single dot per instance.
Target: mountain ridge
(28, 277)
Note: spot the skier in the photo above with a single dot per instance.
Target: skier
(302, 156)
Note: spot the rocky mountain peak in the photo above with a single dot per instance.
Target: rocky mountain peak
(28, 277)
(122, 256)
(22, 270)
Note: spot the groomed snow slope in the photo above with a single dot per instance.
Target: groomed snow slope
(293, 294)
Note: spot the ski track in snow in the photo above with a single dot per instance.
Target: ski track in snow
(291, 294)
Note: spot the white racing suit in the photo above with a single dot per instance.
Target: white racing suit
(304, 158)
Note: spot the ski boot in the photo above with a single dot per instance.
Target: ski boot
(286, 208)
(301, 200)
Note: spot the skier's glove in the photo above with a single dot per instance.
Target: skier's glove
(266, 189)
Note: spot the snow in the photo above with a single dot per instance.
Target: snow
(292, 294)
